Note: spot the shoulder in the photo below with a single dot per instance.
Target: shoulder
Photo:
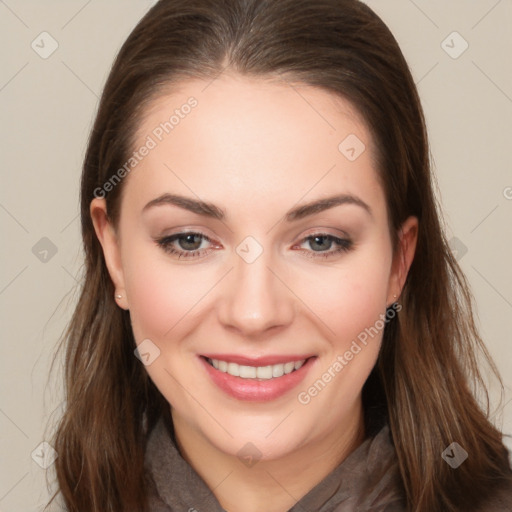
(382, 488)
(154, 501)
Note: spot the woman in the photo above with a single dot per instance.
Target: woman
(243, 344)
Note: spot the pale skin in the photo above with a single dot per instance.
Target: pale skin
(257, 149)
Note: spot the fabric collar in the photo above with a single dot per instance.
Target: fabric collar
(367, 479)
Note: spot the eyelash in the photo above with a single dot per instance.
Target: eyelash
(344, 245)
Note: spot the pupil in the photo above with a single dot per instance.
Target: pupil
(319, 238)
(189, 239)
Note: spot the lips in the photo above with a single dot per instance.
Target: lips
(264, 388)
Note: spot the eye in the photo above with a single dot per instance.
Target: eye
(322, 242)
(188, 244)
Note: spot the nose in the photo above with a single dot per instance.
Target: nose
(255, 297)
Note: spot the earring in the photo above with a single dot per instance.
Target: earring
(119, 296)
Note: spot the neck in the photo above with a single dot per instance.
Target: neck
(269, 484)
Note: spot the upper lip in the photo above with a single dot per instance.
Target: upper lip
(258, 361)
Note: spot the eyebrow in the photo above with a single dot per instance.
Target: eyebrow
(211, 210)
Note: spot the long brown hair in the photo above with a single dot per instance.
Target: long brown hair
(427, 373)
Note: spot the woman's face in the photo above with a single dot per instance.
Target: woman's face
(268, 279)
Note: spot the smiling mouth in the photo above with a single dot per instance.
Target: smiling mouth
(256, 372)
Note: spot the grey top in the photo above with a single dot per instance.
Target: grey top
(366, 481)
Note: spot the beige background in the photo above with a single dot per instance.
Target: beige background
(47, 106)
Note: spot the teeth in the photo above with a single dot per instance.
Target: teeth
(246, 372)
(233, 369)
(256, 372)
(278, 370)
(264, 372)
(289, 367)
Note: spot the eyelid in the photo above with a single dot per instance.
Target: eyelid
(326, 231)
(165, 243)
(343, 244)
(310, 232)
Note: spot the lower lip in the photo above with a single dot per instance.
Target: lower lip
(257, 390)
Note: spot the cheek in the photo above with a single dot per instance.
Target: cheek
(352, 298)
(352, 303)
(159, 293)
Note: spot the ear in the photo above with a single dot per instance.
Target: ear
(109, 241)
(402, 259)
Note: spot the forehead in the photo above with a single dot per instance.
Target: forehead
(236, 136)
